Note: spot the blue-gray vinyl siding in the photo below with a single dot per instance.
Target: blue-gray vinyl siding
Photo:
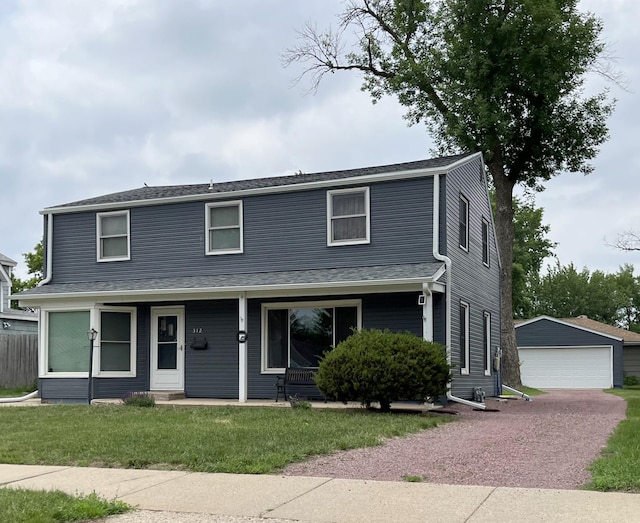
(281, 232)
(472, 282)
(548, 333)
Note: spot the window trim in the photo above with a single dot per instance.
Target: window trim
(94, 320)
(367, 211)
(486, 255)
(99, 257)
(463, 200)
(266, 307)
(207, 227)
(464, 324)
(131, 373)
(486, 335)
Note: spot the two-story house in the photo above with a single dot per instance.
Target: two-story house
(214, 289)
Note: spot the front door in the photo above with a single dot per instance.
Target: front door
(167, 348)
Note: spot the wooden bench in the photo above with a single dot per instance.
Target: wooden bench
(294, 376)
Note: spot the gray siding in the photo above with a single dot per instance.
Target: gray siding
(281, 232)
(547, 333)
(213, 372)
(63, 390)
(632, 360)
(472, 281)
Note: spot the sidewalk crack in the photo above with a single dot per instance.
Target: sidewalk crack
(493, 490)
(266, 512)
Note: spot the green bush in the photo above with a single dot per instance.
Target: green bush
(630, 380)
(373, 365)
(139, 399)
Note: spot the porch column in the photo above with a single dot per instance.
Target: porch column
(242, 348)
(427, 312)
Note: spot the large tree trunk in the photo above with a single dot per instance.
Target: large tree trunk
(504, 233)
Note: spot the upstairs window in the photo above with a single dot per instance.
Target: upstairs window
(348, 216)
(113, 236)
(224, 228)
(485, 242)
(463, 218)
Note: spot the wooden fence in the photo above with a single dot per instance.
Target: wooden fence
(18, 360)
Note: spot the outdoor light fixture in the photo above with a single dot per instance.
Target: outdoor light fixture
(92, 335)
(6, 325)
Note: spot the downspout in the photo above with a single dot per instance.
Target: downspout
(447, 262)
(29, 396)
(49, 269)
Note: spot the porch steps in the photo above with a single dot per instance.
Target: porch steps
(166, 395)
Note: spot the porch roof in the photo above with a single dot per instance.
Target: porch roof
(363, 279)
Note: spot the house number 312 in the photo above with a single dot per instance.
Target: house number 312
(197, 330)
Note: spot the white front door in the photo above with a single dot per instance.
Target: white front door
(167, 348)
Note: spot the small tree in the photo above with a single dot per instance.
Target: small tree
(373, 365)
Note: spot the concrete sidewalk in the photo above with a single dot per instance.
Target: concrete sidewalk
(199, 497)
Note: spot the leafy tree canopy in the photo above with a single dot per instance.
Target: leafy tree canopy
(504, 77)
(35, 266)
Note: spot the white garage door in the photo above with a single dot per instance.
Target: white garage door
(567, 368)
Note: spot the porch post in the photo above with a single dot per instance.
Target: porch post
(427, 312)
(242, 348)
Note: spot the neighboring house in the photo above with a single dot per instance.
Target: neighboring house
(215, 289)
(575, 353)
(13, 321)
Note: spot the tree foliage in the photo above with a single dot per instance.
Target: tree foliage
(35, 267)
(613, 298)
(504, 77)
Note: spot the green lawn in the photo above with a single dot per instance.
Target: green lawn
(33, 506)
(16, 392)
(205, 439)
(619, 467)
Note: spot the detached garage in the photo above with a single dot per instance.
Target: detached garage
(560, 354)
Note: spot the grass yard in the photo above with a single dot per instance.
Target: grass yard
(15, 393)
(204, 439)
(33, 506)
(619, 467)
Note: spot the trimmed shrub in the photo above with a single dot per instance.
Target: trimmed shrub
(373, 365)
(139, 399)
(630, 380)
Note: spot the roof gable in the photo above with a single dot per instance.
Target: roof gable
(568, 323)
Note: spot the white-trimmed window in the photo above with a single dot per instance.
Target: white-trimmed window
(463, 223)
(117, 346)
(348, 217)
(113, 236)
(66, 344)
(464, 338)
(224, 227)
(485, 242)
(486, 339)
(297, 334)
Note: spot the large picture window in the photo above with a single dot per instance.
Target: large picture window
(113, 236)
(224, 227)
(348, 216)
(117, 335)
(67, 343)
(298, 334)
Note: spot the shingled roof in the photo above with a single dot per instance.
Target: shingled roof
(628, 337)
(176, 191)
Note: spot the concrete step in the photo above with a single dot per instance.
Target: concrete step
(167, 395)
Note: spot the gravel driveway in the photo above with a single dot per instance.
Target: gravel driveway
(546, 443)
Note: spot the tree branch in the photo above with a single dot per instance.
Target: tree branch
(626, 241)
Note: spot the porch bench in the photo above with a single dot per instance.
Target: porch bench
(294, 376)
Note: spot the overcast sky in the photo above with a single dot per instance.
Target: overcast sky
(103, 96)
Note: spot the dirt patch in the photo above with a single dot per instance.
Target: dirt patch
(546, 443)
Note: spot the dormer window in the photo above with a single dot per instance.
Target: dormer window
(348, 217)
(113, 236)
(224, 228)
